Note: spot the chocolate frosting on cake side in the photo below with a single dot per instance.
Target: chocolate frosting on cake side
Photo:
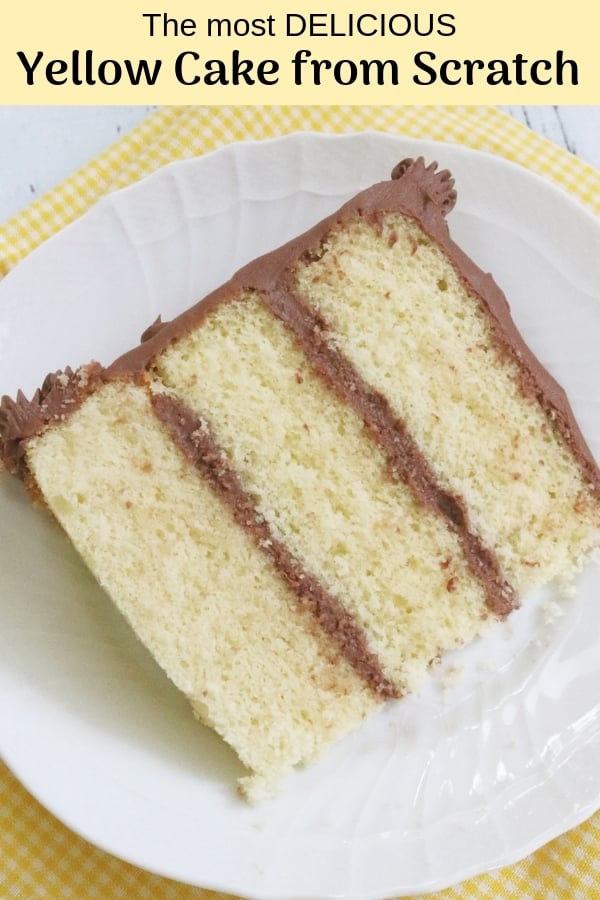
(22, 419)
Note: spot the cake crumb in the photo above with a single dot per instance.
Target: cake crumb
(552, 611)
(450, 676)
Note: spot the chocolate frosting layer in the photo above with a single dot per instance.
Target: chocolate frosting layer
(194, 438)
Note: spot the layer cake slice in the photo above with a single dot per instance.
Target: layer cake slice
(308, 486)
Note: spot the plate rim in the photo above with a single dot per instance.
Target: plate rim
(563, 196)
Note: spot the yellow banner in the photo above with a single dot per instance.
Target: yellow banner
(299, 52)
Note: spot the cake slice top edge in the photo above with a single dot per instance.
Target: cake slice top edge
(416, 190)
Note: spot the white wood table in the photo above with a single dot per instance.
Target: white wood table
(41, 145)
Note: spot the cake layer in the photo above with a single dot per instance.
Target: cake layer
(212, 610)
(324, 487)
(394, 305)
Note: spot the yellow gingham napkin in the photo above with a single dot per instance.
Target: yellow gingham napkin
(41, 858)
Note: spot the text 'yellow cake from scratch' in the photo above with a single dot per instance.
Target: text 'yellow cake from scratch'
(314, 482)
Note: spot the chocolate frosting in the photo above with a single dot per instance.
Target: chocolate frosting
(153, 329)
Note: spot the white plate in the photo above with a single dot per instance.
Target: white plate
(454, 781)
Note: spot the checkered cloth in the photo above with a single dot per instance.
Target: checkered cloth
(39, 857)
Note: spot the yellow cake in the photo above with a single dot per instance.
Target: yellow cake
(320, 478)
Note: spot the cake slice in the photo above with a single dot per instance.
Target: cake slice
(308, 486)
